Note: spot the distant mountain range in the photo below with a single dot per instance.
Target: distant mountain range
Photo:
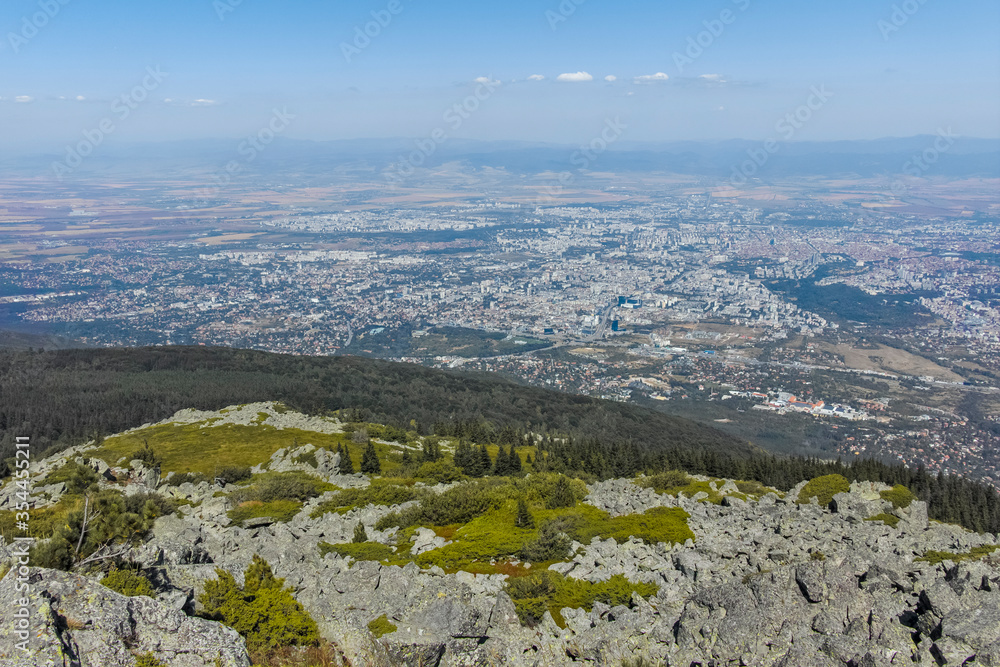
(963, 157)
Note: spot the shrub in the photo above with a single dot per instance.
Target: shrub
(308, 458)
(459, 504)
(381, 626)
(817, 556)
(282, 511)
(77, 477)
(360, 536)
(441, 471)
(666, 482)
(890, 520)
(523, 518)
(553, 542)
(539, 591)
(899, 496)
(660, 524)
(562, 495)
(108, 523)
(263, 611)
(280, 486)
(186, 477)
(824, 489)
(377, 493)
(148, 660)
(234, 474)
(131, 583)
(976, 553)
(146, 455)
(160, 505)
(358, 551)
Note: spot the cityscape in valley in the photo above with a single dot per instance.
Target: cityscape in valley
(828, 317)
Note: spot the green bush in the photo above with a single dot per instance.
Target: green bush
(899, 496)
(130, 583)
(561, 495)
(976, 553)
(381, 626)
(263, 611)
(282, 511)
(824, 489)
(666, 482)
(77, 477)
(234, 474)
(457, 505)
(358, 551)
(360, 535)
(553, 541)
(660, 524)
(161, 505)
(378, 492)
(146, 455)
(270, 487)
(186, 477)
(539, 591)
(148, 660)
(441, 471)
(308, 458)
(109, 524)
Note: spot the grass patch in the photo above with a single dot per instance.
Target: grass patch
(197, 448)
(899, 496)
(543, 591)
(381, 626)
(823, 489)
(271, 486)
(890, 520)
(976, 553)
(282, 511)
(43, 521)
(379, 492)
(358, 551)
(129, 583)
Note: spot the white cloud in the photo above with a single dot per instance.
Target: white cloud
(575, 77)
(24, 99)
(536, 77)
(712, 77)
(611, 78)
(651, 78)
(80, 98)
(204, 103)
(486, 81)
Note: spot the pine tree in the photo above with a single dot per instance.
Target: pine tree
(502, 466)
(524, 518)
(513, 461)
(360, 535)
(562, 495)
(370, 464)
(346, 464)
(485, 463)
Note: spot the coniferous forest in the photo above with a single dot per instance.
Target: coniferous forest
(63, 398)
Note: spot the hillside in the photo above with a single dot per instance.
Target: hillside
(415, 563)
(61, 398)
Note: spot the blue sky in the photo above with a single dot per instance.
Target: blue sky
(888, 68)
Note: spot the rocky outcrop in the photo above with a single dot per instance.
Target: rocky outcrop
(76, 621)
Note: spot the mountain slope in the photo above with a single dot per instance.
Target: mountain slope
(61, 398)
